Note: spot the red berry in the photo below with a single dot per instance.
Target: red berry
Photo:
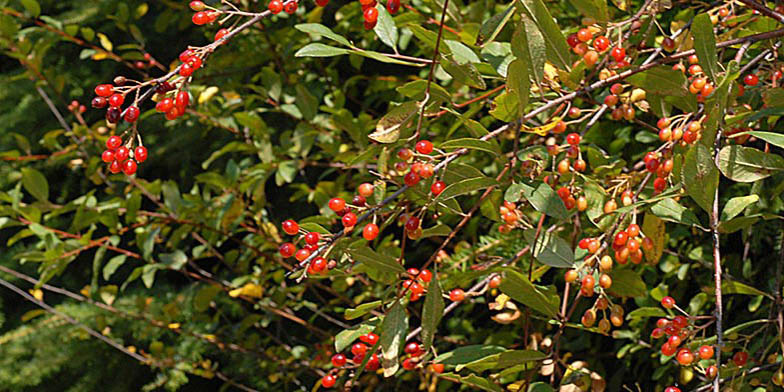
(659, 185)
(318, 265)
(657, 333)
(182, 100)
(140, 154)
(290, 227)
(197, 6)
(424, 147)
(369, 338)
(572, 40)
(113, 142)
(573, 138)
(411, 179)
(680, 322)
(328, 381)
(365, 189)
(121, 154)
(290, 7)
(706, 352)
(131, 114)
(412, 223)
(668, 302)
(99, 102)
(104, 90)
(275, 6)
(685, 357)
(115, 167)
(413, 348)
(740, 358)
(302, 254)
(312, 238)
(287, 250)
(672, 389)
(338, 360)
(437, 187)
(408, 364)
(322, 3)
(107, 156)
(358, 349)
(667, 350)
(371, 15)
(116, 100)
(584, 35)
(425, 275)
(393, 6)
(186, 54)
(601, 43)
(370, 232)
(221, 33)
(129, 167)
(751, 80)
(200, 18)
(337, 204)
(620, 239)
(457, 295)
(349, 220)
(373, 364)
(618, 53)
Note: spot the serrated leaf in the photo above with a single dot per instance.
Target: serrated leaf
(705, 44)
(389, 127)
(466, 186)
(662, 80)
(385, 27)
(320, 50)
(538, 298)
(700, 177)
(432, 311)
(745, 164)
(320, 29)
(557, 49)
(493, 26)
(392, 337)
(736, 205)
(377, 261)
(627, 283)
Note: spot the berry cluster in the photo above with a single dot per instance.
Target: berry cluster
(416, 283)
(369, 10)
(121, 158)
(312, 239)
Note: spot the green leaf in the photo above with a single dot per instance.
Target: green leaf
(542, 198)
(112, 266)
(466, 186)
(471, 144)
(462, 53)
(175, 260)
(736, 205)
(416, 91)
(472, 380)
(319, 29)
(467, 354)
(646, 312)
(35, 183)
(538, 298)
(773, 138)
(361, 310)
(528, 44)
(432, 311)
(203, 297)
(505, 107)
(504, 360)
(463, 73)
(551, 249)
(705, 45)
(745, 164)
(377, 261)
(669, 210)
(385, 27)
(389, 127)
(32, 7)
(392, 337)
(662, 80)
(627, 283)
(491, 27)
(699, 176)
(716, 107)
(518, 83)
(557, 49)
(320, 50)
(596, 9)
(773, 97)
(735, 287)
(346, 337)
(148, 274)
(436, 231)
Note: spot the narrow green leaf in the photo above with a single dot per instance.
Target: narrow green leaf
(544, 199)
(646, 312)
(346, 337)
(705, 45)
(551, 249)
(528, 44)
(596, 9)
(361, 310)
(557, 48)
(746, 164)
(735, 287)
(432, 311)
(320, 50)
(518, 83)
(35, 183)
(32, 7)
(392, 337)
(389, 127)
(320, 29)
(504, 360)
(112, 266)
(377, 261)
(385, 27)
(471, 144)
(473, 381)
(538, 298)
(662, 80)
(669, 210)
(699, 176)
(491, 27)
(463, 73)
(466, 186)
(467, 354)
(736, 205)
(773, 138)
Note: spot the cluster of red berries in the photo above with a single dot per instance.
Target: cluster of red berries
(623, 111)
(416, 283)
(369, 10)
(580, 40)
(510, 216)
(171, 105)
(203, 15)
(277, 6)
(120, 158)
(106, 95)
(74, 107)
(317, 265)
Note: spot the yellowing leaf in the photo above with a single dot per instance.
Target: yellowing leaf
(38, 294)
(249, 290)
(100, 56)
(105, 42)
(542, 130)
(654, 228)
(174, 325)
(207, 94)
(389, 127)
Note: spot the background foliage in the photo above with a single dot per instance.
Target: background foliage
(185, 253)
